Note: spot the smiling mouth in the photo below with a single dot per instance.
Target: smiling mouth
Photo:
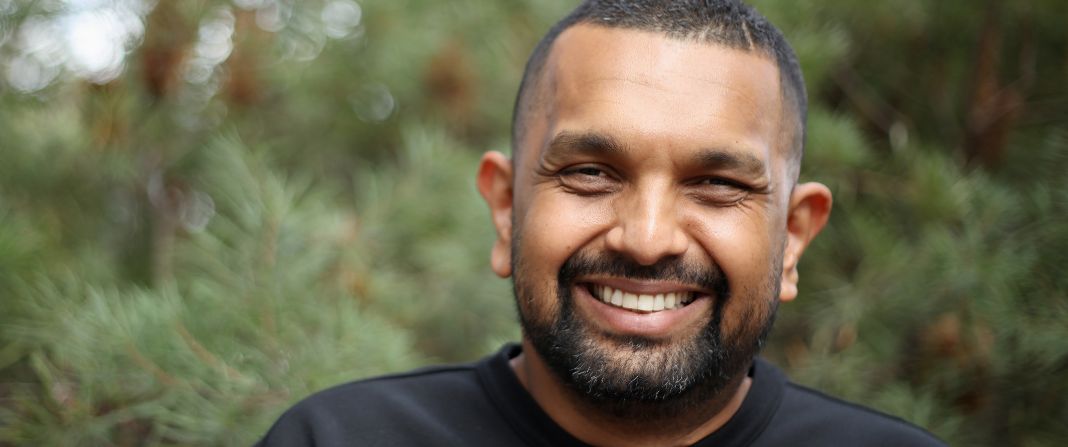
(641, 302)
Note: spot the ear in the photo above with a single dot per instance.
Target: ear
(495, 184)
(810, 206)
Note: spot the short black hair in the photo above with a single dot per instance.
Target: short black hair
(730, 23)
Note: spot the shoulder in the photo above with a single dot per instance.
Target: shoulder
(406, 407)
(825, 420)
(395, 391)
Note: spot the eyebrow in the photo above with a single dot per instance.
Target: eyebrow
(598, 144)
(724, 160)
(584, 143)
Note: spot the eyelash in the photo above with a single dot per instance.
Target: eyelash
(720, 181)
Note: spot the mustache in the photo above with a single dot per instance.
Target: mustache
(674, 268)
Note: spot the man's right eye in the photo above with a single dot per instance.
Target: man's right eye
(587, 180)
(589, 171)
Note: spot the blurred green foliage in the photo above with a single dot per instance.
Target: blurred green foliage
(268, 197)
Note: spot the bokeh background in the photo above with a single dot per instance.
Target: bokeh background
(211, 208)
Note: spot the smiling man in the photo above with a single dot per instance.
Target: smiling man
(652, 222)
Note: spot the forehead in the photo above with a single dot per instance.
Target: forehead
(656, 91)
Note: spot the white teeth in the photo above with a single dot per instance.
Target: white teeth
(643, 302)
(617, 297)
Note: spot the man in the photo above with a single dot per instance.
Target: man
(651, 221)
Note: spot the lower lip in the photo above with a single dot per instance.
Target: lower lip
(662, 324)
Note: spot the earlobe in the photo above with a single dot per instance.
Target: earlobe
(809, 209)
(494, 182)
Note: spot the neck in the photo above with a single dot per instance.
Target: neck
(597, 425)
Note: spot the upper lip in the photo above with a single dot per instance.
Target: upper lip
(645, 287)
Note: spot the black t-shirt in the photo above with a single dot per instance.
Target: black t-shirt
(484, 404)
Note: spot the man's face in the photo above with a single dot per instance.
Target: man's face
(649, 213)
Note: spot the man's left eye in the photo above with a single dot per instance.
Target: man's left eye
(720, 191)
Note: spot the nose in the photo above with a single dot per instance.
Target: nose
(647, 226)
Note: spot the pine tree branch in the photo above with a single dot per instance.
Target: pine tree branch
(150, 366)
(206, 356)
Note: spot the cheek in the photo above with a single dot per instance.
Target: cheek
(743, 248)
(553, 228)
(739, 242)
(558, 225)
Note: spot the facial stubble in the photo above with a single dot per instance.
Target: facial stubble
(635, 377)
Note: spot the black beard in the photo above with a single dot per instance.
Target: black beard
(657, 379)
